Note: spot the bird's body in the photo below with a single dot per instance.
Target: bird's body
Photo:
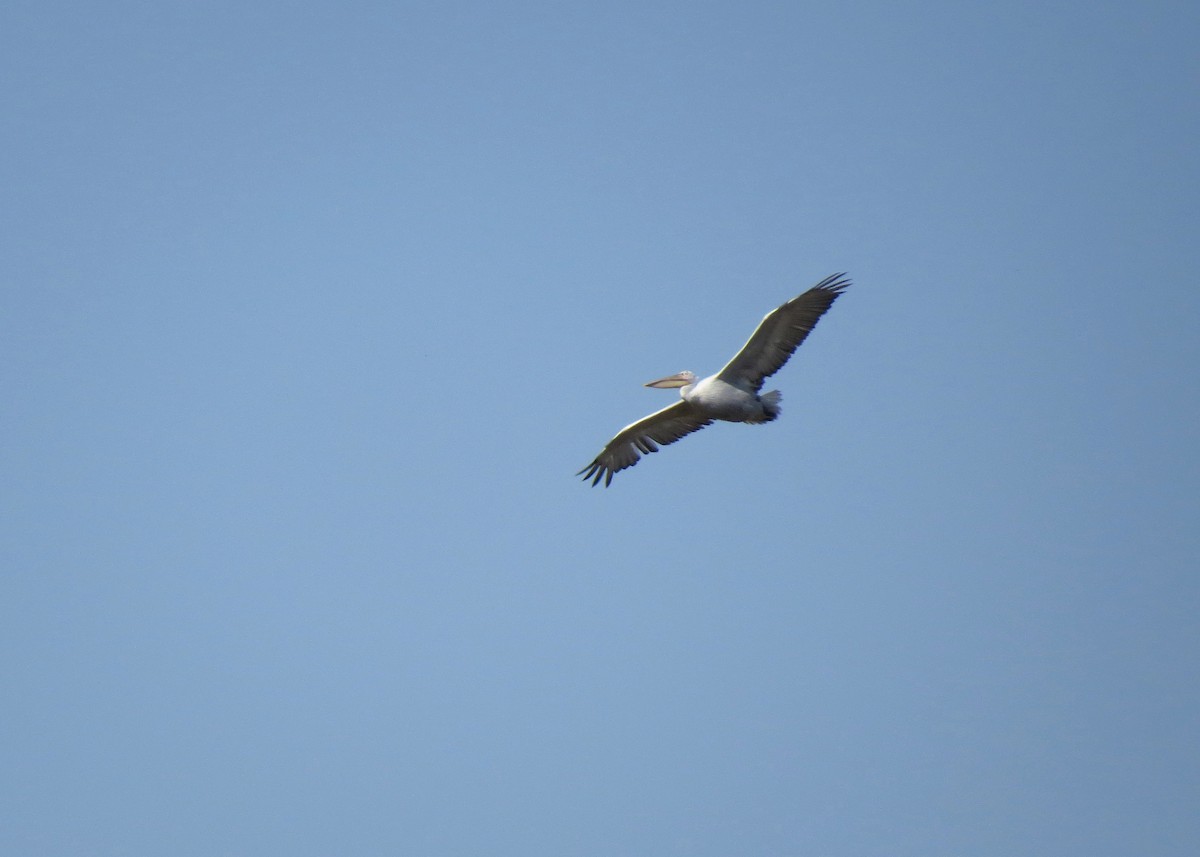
(732, 395)
(722, 400)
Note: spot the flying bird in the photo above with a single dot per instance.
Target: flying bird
(731, 395)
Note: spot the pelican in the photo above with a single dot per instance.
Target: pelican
(731, 395)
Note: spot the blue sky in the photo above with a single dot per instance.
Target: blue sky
(311, 312)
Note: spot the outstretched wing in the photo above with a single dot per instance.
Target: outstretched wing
(780, 334)
(644, 436)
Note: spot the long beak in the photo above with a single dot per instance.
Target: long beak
(680, 379)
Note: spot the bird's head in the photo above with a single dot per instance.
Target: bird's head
(679, 379)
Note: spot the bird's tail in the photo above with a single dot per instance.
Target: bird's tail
(771, 404)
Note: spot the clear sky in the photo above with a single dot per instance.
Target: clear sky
(312, 311)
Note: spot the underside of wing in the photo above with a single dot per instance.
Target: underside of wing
(644, 436)
(780, 334)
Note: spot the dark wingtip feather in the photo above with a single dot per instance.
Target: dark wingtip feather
(836, 283)
(594, 471)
